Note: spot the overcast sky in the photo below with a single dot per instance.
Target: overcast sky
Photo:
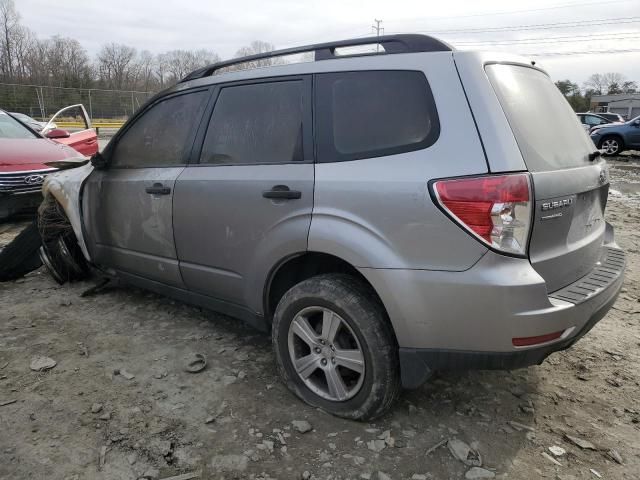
(161, 25)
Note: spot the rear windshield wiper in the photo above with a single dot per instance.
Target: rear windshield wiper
(594, 155)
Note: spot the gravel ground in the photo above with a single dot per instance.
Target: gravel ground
(119, 405)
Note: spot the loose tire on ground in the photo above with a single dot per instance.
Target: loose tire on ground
(20, 256)
(354, 305)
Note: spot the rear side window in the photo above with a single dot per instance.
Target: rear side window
(373, 113)
(545, 127)
(259, 123)
(160, 136)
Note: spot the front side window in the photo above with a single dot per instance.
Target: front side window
(374, 113)
(160, 137)
(258, 123)
(11, 128)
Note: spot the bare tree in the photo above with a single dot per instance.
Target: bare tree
(146, 63)
(116, 66)
(10, 31)
(254, 48)
(178, 63)
(605, 83)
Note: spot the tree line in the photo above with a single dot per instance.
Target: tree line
(63, 62)
(597, 84)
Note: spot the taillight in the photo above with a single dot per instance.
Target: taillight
(496, 209)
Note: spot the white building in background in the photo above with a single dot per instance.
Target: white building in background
(626, 104)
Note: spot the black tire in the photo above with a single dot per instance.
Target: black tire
(611, 145)
(353, 301)
(20, 256)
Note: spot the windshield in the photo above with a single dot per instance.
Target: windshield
(547, 130)
(11, 128)
(22, 117)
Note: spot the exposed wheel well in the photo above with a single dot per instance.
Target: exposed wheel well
(299, 268)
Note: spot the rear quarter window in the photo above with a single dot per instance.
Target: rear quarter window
(373, 113)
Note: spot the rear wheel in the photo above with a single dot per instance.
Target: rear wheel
(335, 348)
(611, 146)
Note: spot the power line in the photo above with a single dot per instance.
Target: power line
(584, 38)
(524, 40)
(584, 52)
(510, 12)
(540, 26)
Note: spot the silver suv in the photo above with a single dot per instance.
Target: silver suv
(384, 215)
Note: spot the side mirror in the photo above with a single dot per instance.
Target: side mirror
(636, 123)
(57, 133)
(98, 161)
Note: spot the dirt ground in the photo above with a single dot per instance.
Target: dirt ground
(119, 405)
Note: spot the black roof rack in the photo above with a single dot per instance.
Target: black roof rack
(406, 43)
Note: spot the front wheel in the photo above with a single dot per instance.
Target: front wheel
(611, 146)
(335, 347)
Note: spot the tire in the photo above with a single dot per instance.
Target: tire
(611, 146)
(20, 256)
(363, 332)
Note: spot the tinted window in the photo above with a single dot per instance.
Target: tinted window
(259, 123)
(160, 137)
(11, 128)
(371, 114)
(528, 95)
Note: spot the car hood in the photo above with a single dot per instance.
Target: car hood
(31, 153)
(608, 125)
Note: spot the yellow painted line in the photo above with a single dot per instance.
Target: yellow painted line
(93, 125)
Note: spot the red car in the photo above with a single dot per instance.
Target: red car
(23, 153)
(84, 140)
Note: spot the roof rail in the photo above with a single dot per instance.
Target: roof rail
(405, 43)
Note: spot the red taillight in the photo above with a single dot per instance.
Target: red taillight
(497, 208)
(528, 341)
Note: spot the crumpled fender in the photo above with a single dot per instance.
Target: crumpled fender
(65, 186)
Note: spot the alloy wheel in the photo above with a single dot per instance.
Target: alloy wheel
(610, 146)
(326, 354)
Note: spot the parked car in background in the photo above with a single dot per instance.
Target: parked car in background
(591, 120)
(23, 153)
(319, 201)
(31, 122)
(613, 117)
(82, 138)
(615, 138)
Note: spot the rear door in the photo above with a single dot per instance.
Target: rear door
(75, 118)
(129, 205)
(570, 185)
(247, 203)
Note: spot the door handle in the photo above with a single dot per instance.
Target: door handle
(158, 189)
(282, 192)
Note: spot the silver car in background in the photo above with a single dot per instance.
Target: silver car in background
(385, 215)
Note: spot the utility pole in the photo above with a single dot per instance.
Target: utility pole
(377, 29)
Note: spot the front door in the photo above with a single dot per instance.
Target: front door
(128, 206)
(247, 203)
(83, 139)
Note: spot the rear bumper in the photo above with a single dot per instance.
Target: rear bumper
(469, 320)
(417, 365)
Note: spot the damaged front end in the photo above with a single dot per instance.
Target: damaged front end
(63, 250)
